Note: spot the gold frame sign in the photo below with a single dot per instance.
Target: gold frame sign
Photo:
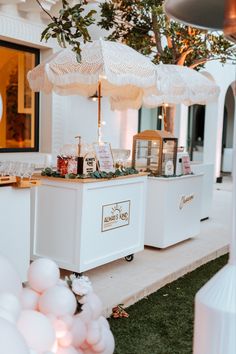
(104, 157)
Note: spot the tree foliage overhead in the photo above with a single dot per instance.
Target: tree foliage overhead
(70, 26)
(143, 25)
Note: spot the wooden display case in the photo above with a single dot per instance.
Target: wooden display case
(155, 151)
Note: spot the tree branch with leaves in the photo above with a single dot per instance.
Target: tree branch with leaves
(144, 26)
(70, 27)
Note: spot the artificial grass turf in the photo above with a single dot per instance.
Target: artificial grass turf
(163, 322)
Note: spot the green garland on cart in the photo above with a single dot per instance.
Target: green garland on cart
(95, 175)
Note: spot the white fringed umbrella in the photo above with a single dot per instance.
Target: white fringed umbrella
(108, 68)
(179, 84)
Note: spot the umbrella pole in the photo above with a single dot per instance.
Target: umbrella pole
(164, 117)
(99, 112)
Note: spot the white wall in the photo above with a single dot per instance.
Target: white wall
(82, 118)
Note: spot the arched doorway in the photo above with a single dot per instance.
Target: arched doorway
(195, 138)
(228, 130)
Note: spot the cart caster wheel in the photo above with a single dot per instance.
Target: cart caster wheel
(129, 258)
(78, 274)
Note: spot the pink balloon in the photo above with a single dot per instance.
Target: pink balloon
(9, 278)
(29, 299)
(84, 346)
(43, 274)
(78, 332)
(37, 330)
(66, 341)
(79, 351)
(11, 340)
(60, 328)
(57, 300)
(88, 351)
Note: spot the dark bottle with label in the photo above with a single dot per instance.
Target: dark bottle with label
(80, 164)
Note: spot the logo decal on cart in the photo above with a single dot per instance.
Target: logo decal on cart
(115, 215)
(185, 199)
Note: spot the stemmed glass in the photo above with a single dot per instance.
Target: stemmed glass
(30, 170)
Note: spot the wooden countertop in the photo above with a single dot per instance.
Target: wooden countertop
(88, 180)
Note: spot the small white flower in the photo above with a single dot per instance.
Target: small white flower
(81, 286)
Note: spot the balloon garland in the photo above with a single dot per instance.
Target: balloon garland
(50, 315)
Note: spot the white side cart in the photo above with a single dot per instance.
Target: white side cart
(173, 209)
(15, 227)
(82, 224)
(207, 186)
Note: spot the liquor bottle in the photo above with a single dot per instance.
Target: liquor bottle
(80, 159)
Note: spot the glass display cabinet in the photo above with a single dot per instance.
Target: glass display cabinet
(155, 151)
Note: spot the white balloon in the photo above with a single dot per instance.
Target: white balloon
(78, 332)
(109, 340)
(68, 350)
(11, 340)
(93, 333)
(29, 299)
(11, 304)
(95, 304)
(100, 346)
(42, 274)
(103, 322)
(60, 328)
(57, 300)
(7, 316)
(37, 330)
(68, 320)
(9, 279)
(86, 314)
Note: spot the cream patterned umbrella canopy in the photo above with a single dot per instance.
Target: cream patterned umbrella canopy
(179, 84)
(125, 75)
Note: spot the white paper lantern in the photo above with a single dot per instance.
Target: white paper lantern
(215, 314)
(43, 274)
(37, 330)
(57, 300)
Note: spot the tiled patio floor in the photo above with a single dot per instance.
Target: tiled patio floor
(120, 282)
